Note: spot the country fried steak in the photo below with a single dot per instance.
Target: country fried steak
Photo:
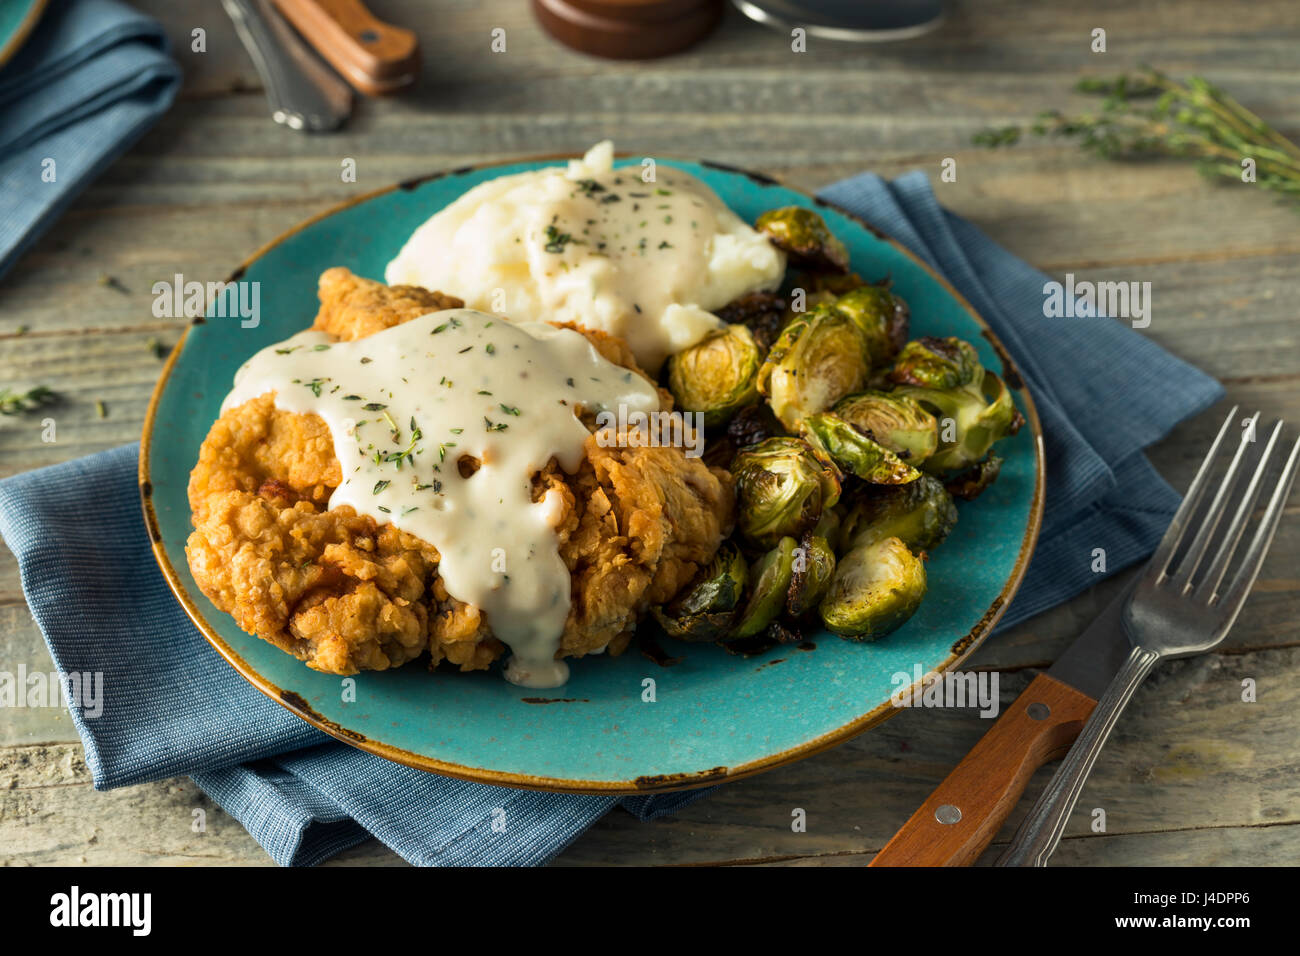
(344, 593)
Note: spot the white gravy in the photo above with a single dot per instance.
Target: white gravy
(405, 404)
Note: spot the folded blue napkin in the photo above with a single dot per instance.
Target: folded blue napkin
(172, 706)
(87, 83)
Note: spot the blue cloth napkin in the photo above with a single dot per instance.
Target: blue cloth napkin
(87, 83)
(172, 706)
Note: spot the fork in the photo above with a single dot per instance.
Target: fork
(1172, 612)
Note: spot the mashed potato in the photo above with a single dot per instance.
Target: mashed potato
(646, 261)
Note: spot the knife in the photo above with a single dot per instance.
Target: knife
(377, 58)
(963, 815)
(304, 93)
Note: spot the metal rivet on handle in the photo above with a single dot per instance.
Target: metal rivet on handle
(948, 814)
(1038, 711)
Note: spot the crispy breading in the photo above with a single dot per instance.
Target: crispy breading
(346, 594)
(352, 307)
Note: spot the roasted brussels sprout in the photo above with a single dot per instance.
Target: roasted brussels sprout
(820, 357)
(854, 452)
(973, 405)
(814, 565)
(706, 608)
(828, 285)
(763, 313)
(882, 317)
(875, 589)
(717, 375)
(919, 513)
(804, 236)
(752, 425)
(782, 489)
(971, 482)
(896, 421)
(770, 582)
(936, 363)
(749, 426)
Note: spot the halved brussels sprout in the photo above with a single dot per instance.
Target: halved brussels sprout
(782, 488)
(936, 363)
(814, 566)
(882, 317)
(920, 514)
(804, 236)
(875, 589)
(819, 358)
(896, 421)
(970, 483)
(770, 583)
(973, 405)
(717, 375)
(706, 608)
(854, 452)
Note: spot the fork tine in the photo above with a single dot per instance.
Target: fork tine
(1210, 521)
(1235, 596)
(1214, 574)
(1174, 534)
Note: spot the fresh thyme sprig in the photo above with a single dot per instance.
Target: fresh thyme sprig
(1151, 114)
(15, 403)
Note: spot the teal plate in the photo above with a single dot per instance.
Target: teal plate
(713, 716)
(17, 18)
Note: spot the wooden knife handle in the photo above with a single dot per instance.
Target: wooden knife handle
(375, 57)
(990, 779)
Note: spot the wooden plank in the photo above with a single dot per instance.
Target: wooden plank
(1005, 37)
(1171, 767)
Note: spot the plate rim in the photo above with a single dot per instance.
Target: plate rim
(294, 703)
(25, 27)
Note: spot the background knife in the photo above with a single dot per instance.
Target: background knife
(963, 815)
(303, 93)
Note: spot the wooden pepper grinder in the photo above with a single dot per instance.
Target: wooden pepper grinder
(629, 29)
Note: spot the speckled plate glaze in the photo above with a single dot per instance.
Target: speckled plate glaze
(714, 716)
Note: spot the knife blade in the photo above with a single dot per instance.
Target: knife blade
(304, 93)
(964, 813)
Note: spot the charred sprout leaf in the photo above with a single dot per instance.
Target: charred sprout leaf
(936, 363)
(814, 565)
(895, 421)
(650, 649)
(770, 583)
(970, 483)
(705, 610)
(763, 313)
(747, 428)
(854, 452)
(882, 317)
(717, 375)
(782, 489)
(819, 358)
(920, 514)
(804, 236)
(752, 425)
(973, 406)
(875, 589)
(15, 403)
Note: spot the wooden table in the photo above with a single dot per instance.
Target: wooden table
(1192, 775)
